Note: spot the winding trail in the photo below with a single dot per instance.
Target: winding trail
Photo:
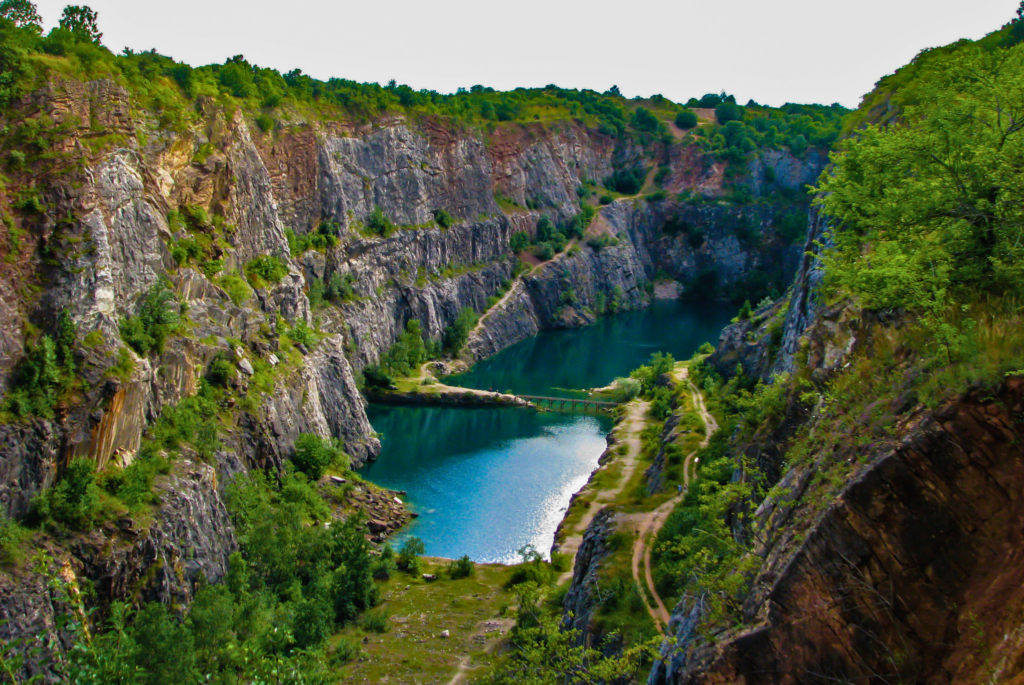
(650, 523)
(629, 431)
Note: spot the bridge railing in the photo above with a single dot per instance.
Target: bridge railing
(571, 402)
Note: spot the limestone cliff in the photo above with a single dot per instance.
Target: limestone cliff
(113, 200)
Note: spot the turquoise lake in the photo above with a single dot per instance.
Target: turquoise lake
(487, 481)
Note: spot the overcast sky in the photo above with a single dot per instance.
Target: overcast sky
(773, 52)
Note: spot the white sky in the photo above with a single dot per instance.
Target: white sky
(774, 52)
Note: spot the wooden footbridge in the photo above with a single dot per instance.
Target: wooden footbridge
(569, 403)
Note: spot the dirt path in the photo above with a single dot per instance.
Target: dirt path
(650, 523)
(628, 434)
(499, 628)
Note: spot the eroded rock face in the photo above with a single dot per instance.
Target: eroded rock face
(107, 235)
(904, 574)
(582, 599)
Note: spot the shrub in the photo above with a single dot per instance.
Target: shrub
(531, 570)
(74, 501)
(544, 251)
(339, 288)
(443, 218)
(625, 389)
(561, 562)
(11, 537)
(745, 311)
(221, 371)
(643, 120)
(606, 199)
(409, 556)
(376, 621)
(456, 335)
(378, 223)
(315, 292)
(706, 348)
(376, 377)
(193, 420)
(728, 111)
(133, 485)
(519, 241)
(156, 321)
(602, 241)
(265, 122)
(686, 119)
(461, 568)
(313, 454)
(236, 288)
(626, 181)
(302, 334)
(266, 269)
(44, 374)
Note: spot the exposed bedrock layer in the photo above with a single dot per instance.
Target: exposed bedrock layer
(124, 195)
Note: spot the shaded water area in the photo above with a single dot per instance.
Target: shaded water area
(486, 481)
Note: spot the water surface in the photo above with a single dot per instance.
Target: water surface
(487, 481)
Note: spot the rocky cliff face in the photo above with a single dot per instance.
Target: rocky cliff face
(110, 195)
(909, 575)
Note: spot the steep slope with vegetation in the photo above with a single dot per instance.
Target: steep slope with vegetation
(855, 521)
(202, 267)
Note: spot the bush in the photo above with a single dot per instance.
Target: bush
(531, 570)
(461, 568)
(376, 621)
(157, 320)
(728, 111)
(456, 335)
(221, 371)
(11, 537)
(544, 252)
(302, 334)
(625, 389)
(385, 564)
(643, 120)
(265, 122)
(706, 348)
(339, 288)
(443, 218)
(519, 241)
(376, 377)
(561, 562)
(44, 374)
(409, 555)
(745, 311)
(378, 223)
(606, 199)
(602, 241)
(193, 420)
(686, 119)
(133, 485)
(627, 181)
(266, 269)
(313, 455)
(74, 500)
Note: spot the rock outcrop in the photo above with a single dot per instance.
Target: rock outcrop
(123, 201)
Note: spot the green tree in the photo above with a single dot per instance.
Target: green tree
(686, 119)
(23, 13)
(80, 20)
(456, 335)
(74, 500)
(932, 208)
(410, 553)
(157, 319)
(728, 111)
(313, 454)
(643, 120)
